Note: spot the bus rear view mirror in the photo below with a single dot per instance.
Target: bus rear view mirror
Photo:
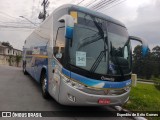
(69, 32)
(144, 44)
(69, 25)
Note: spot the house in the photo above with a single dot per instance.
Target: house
(6, 52)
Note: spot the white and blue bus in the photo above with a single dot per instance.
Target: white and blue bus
(81, 57)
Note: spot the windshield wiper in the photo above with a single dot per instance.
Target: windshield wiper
(98, 60)
(117, 62)
(99, 35)
(102, 53)
(89, 40)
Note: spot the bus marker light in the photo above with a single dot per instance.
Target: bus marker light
(103, 101)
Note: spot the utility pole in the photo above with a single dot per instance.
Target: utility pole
(45, 4)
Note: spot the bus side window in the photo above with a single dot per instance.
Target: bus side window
(60, 44)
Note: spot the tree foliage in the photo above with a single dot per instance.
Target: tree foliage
(18, 59)
(148, 66)
(7, 44)
(10, 59)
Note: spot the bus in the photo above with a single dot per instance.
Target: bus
(81, 57)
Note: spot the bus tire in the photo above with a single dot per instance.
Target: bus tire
(45, 93)
(24, 69)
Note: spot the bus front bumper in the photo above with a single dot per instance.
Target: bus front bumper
(71, 96)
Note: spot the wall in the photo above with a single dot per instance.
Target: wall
(5, 56)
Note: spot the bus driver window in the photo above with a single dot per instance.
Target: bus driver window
(59, 45)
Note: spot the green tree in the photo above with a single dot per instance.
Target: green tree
(137, 61)
(156, 60)
(7, 44)
(156, 53)
(10, 59)
(142, 66)
(18, 59)
(148, 66)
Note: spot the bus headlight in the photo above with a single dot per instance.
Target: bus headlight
(72, 83)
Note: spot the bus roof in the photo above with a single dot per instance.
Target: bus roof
(92, 12)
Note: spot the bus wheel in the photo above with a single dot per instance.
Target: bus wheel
(45, 93)
(24, 69)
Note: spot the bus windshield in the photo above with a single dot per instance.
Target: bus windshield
(99, 47)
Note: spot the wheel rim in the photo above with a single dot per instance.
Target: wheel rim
(44, 85)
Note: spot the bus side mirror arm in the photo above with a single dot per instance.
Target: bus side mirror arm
(69, 26)
(136, 39)
(143, 42)
(68, 19)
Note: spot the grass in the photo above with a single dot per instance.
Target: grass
(144, 97)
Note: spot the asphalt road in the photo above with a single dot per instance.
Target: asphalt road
(21, 93)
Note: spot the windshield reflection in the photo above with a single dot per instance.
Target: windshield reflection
(99, 47)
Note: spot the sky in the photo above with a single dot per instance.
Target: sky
(141, 18)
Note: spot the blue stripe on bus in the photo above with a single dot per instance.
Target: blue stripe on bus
(96, 83)
(66, 72)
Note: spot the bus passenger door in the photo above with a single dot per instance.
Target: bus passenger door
(58, 53)
(55, 81)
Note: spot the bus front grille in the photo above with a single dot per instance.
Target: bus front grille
(104, 91)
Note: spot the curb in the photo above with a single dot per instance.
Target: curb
(120, 109)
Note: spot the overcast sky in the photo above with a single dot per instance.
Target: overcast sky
(141, 17)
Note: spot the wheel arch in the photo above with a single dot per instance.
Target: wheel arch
(43, 73)
(43, 70)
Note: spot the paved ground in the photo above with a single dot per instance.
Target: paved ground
(145, 82)
(21, 93)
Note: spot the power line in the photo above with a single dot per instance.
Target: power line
(103, 3)
(20, 29)
(110, 2)
(32, 7)
(7, 15)
(90, 3)
(16, 22)
(115, 4)
(10, 26)
(35, 7)
(39, 4)
(80, 2)
(99, 3)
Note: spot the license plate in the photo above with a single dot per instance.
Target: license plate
(103, 101)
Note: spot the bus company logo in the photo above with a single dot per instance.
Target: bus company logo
(104, 78)
(106, 91)
(6, 114)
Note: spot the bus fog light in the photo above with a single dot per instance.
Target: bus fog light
(72, 98)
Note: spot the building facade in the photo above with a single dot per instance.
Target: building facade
(8, 54)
